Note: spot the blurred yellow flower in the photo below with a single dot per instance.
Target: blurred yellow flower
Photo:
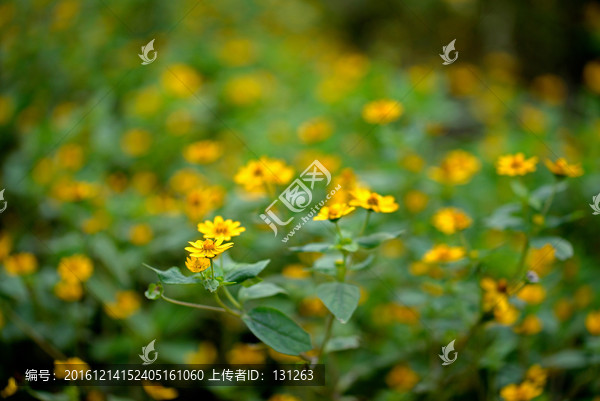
(536, 375)
(69, 291)
(295, 271)
(457, 168)
(592, 323)
(179, 122)
(533, 119)
(44, 171)
(221, 229)
(419, 268)
(246, 354)
(258, 176)
(450, 220)
(442, 253)
(550, 88)
(181, 80)
(197, 265)
(199, 202)
(10, 389)
(514, 165)
(203, 152)
(463, 79)
(144, 182)
(540, 260)
(158, 392)
(5, 245)
(561, 168)
(591, 76)
(563, 309)
(97, 222)
(530, 325)
(237, 52)
(61, 367)
(402, 378)
(373, 201)
(136, 142)
(415, 201)
(312, 306)
(126, 304)
(505, 313)
(283, 397)
(334, 212)
(70, 157)
(532, 294)
(67, 190)
(315, 130)
(382, 111)
(117, 182)
(412, 162)
(65, 13)
(583, 296)
(392, 312)
(186, 180)
(522, 392)
(75, 268)
(20, 264)
(140, 234)
(245, 89)
(147, 101)
(206, 354)
(208, 248)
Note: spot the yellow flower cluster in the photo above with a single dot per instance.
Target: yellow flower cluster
(533, 386)
(382, 111)
(513, 165)
(373, 201)
(73, 271)
(402, 378)
(442, 253)
(457, 168)
(259, 176)
(334, 212)
(495, 299)
(125, 305)
(451, 220)
(20, 264)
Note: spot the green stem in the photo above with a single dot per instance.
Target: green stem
(521, 265)
(212, 269)
(550, 199)
(364, 227)
(191, 305)
(325, 338)
(337, 229)
(227, 308)
(231, 298)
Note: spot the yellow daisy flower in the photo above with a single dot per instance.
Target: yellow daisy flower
(444, 253)
(334, 212)
(373, 201)
(450, 220)
(382, 111)
(208, 248)
(592, 323)
(457, 168)
(517, 164)
(258, 175)
(221, 229)
(560, 168)
(522, 392)
(197, 265)
(20, 264)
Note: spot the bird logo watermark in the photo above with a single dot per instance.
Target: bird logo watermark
(3, 201)
(596, 205)
(447, 50)
(145, 51)
(145, 356)
(445, 355)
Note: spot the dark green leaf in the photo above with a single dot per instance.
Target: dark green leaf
(174, 276)
(374, 240)
(244, 271)
(277, 331)
(340, 298)
(342, 343)
(260, 290)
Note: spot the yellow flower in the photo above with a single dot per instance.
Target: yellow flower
(5, 245)
(419, 268)
(457, 168)
(159, 392)
(208, 248)
(295, 271)
(197, 265)
(68, 190)
(540, 260)
(70, 157)
(392, 312)
(442, 253)
(181, 80)
(20, 264)
(334, 212)
(312, 306)
(583, 296)
(591, 75)
(514, 165)
(246, 354)
(61, 367)
(140, 234)
(373, 201)
(494, 292)
(413, 162)
(179, 122)
(402, 378)
(126, 304)
(69, 291)
(561, 168)
(532, 294)
(136, 142)
(382, 111)
(221, 229)
(550, 88)
(244, 89)
(75, 268)
(530, 325)
(259, 175)
(199, 202)
(450, 220)
(146, 101)
(237, 52)
(205, 355)
(283, 397)
(536, 375)
(505, 313)
(315, 130)
(522, 392)
(415, 201)
(10, 388)
(563, 309)
(203, 152)
(592, 323)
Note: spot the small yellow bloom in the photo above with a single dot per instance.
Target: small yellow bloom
(563, 309)
(70, 157)
(312, 306)
(208, 248)
(415, 201)
(529, 326)
(237, 52)
(246, 354)
(197, 265)
(561, 168)
(494, 292)
(283, 397)
(532, 294)
(61, 367)
(540, 260)
(126, 304)
(10, 389)
(536, 375)
(159, 392)
(334, 212)
(402, 378)
(69, 291)
(5, 245)
(315, 130)
(457, 168)
(245, 89)
(592, 323)
(140, 234)
(538, 219)
(523, 392)
(413, 162)
(199, 202)
(206, 354)
(395, 313)
(591, 75)
(504, 313)
(419, 268)
(20, 264)
(221, 229)
(136, 142)
(181, 80)
(75, 268)
(382, 111)
(203, 152)
(373, 201)
(442, 253)
(295, 271)
(513, 165)
(550, 88)
(259, 175)
(583, 296)
(450, 220)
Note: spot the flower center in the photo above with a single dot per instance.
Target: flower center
(208, 245)
(373, 201)
(221, 229)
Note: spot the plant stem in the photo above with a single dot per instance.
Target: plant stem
(231, 298)
(364, 227)
(550, 199)
(212, 269)
(337, 229)
(222, 304)
(326, 337)
(191, 305)
(521, 264)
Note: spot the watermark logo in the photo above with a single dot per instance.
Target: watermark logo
(2, 201)
(297, 196)
(145, 356)
(445, 355)
(596, 205)
(145, 51)
(447, 50)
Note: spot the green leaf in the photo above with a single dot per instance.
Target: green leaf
(154, 291)
(260, 290)
(348, 245)
(519, 189)
(563, 248)
(567, 359)
(277, 331)
(244, 271)
(502, 218)
(363, 264)
(174, 276)
(315, 247)
(374, 240)
(340, 298)
(542, 193)
(342, 343)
